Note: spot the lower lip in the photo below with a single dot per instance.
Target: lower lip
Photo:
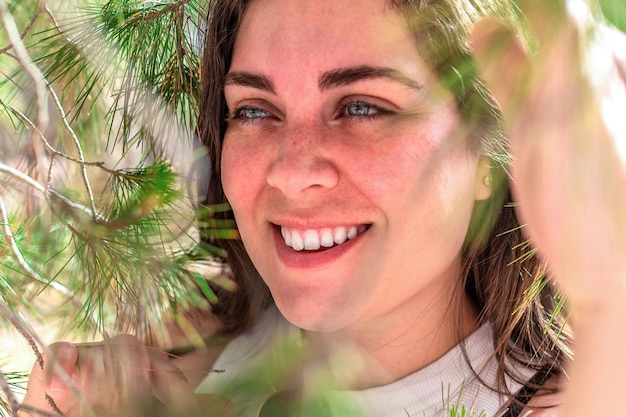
(305, 259)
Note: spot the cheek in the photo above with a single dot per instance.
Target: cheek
(395, 165)
(228, 169)
(239, 173)
(431, 174)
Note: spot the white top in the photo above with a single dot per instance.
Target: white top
(429, 392)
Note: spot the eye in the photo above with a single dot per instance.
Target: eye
(359, 109)
(249, 113)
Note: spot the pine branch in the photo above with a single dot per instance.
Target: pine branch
(133, 259)
(47, 192)
(79, 148)
(29, 66)
(42, 7)
(149, 49)
(20, 258)
(12, 399)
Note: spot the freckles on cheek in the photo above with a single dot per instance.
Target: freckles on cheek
(397, 167)
(233, 173)
(243, 172)
(226, 170)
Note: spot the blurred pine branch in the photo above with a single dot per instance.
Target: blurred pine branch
(98, 103)
(615, 12)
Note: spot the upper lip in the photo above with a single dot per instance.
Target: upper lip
(309, 224)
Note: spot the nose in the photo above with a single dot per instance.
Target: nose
(302, 164)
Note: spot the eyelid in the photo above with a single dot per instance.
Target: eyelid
(372, 100)
(235, 114)
(381, 106)
(251, 104)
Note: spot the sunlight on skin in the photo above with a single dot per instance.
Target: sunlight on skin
(606, 51)
(569, 184)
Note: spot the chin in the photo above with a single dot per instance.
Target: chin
(310, 316)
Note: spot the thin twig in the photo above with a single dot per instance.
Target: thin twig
(4, 217)
(22, 327)
(55, 23)
(29, 66)
(34, 340)
(81, 155)
(19, 175)
(11, 398)
(50, 171)
(51, 148)
(42, 6)
(5, 169)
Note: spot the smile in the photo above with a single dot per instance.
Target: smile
(314, 239)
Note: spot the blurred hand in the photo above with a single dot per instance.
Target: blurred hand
(119, 376)
(568, 179)
(570, 186)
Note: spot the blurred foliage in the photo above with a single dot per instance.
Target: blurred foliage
(147, 50)
(97, 201)
(615, 12)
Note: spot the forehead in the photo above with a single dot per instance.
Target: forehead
(314, 35)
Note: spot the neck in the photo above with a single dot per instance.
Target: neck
(379, 353)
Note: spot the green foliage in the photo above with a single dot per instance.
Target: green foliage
(118, 247)
(146, 53)
(17, 382)
(463, 412)
(615, 12)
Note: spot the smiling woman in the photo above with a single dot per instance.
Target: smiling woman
(381, 250)
(359, 174)
(294, 159)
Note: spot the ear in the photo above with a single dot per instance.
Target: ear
(483, 181)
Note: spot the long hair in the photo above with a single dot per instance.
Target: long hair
(503, 276)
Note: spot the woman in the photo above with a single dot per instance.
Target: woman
(366, 167)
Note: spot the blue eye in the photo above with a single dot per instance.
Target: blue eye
(250, 113)
(359, 108)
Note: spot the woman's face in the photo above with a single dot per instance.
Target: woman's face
(350, 176)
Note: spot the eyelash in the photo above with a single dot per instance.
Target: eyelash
(237, 115)
(378, 111)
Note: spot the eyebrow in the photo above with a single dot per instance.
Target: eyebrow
(328, 80)
(350, 75)
(247, 79)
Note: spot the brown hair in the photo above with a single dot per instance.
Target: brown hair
(502, 274)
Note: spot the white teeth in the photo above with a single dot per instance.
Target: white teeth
(297, 242)
(286, 236)
(311, 240)
(340, 235)
(326, 238)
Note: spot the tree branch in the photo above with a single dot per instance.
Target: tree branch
(4, 217)
(42, 6)
(29, 66)
(5, 169)
(13, 402)
(52, 150)
(34, 340)
(81, 155)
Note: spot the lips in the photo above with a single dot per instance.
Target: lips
(307, 248)
(314, 239)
